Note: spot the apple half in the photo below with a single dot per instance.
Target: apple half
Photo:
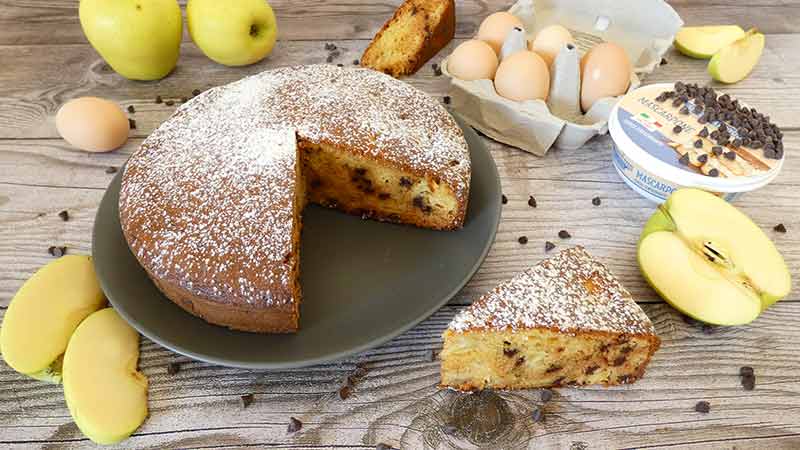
(734, 62)
(710, 261)
(704, 42)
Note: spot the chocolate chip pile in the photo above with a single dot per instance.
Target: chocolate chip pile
(746, 127)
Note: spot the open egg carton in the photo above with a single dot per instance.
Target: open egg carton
(644, 30)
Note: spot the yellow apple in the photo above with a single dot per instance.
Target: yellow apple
(45, 312)
(139, 39)
(105, 393)
(233, 32)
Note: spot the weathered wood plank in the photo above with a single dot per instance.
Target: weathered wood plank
(397, 401)
(45, 22)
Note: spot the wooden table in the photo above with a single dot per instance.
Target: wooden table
(45, 60)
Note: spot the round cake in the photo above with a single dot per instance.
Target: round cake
(211, 202)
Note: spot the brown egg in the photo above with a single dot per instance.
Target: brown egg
(605, 72)
(549, 41)
(92, 124)
(523, 76)
(495, 28)
(473, 60)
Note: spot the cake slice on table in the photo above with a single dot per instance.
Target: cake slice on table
(414, 34)
(564, 322)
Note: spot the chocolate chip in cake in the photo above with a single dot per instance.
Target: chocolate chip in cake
(246, 400)
(702, 407)
(591, 370)
(531, 202)
(196, 92)
(702, 158)
(703, 132)
(549, 246)
(564, 234)
(520, 361)
(446, 99)
(677, 129)
(780, 228)
(713, 173)
(131, 109)
(173, 368)
(510, 352)
(596, 201)
(64, 215)
(537, 415)
(344, 392)
(523, 240)
(158, 99)
(111, 169)
(131, 124)
(730, 155)
(619, 360)
(405, 182)
(503, 199)
(294, 425)
(169, 102)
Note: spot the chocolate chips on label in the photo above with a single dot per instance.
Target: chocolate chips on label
(549, 246)
(780, 228)
(246, 400)
(294, 425)
(564, 234)
(702, 407)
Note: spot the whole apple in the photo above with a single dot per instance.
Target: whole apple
(139, 39)
(234, 32)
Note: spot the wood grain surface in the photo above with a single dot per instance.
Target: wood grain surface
(45, 60)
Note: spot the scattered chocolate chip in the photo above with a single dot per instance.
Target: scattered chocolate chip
(184, 99)
(546, 395)
(746, 371)
(698, 143)
(246, 400)
(531, 202)
(131, 109)
(169, 102)
(714, 173)
(329, 59)
(780, 228)
(549, 246)
(344, 392)
(703, 132)
(57, 251)
(330, 46)
(677, 129)
(537, 415)
(749, 382)
(64, 215)
(340, 65)
(196, 92)
(730, 155)
(173, 368)
(158, 99)
(717, 150)
(707, 329)
(446, 99)
(503, 199)
(664, 62)
(131, 124)
(355, 62)
(111, 169)
(596, 201)
(523, 240)
(437, 71)
(564, 234)
(294, 425)
(703, 158)
(702, 407)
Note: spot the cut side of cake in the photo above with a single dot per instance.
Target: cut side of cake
(415, 33)
(564, 322)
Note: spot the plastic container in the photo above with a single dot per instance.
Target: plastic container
(642, 155)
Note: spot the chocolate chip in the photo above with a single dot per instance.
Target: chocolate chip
(702, 407)
(246, 400)
(546, 395)
(196, 92)
(131, 124)
(158, 99)
(663, 62)
(131, 109)
(596, 201)
(703, 118)
(730, 155)
(335, 53)
(184, 99)
(619, 360)
(64, 215)
(437, 71)
(57, 251)
(329, 59)
(173, 368)
(677, 102)
(591, 370)
(537, 415)
(355, 62)
(780, 228)
(330, 46)
(510, 352)
(661, 98)
(169, 102)
(703, 132)
(531, 202)
(549, 246)
(384, 196)
(564, 234)
(737, 142)
(446, 99)
(111, 169)
(684, 159)
(702, 158)
(698, 143)
(713, 173)
(677, 129)
(344, 392)
(294, 425)
(405, 182)
(749, 382)
(503, 199)
(340, 65)
(523, 240)
(746, 371)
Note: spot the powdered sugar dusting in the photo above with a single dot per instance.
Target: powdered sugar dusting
(207, 202)
(570, 292)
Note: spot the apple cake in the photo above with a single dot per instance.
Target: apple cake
(211, 202)
(415, 33)
(564, 322)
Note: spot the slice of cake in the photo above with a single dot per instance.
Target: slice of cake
(416, 32)
(566, 321)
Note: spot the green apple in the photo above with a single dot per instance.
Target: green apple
(710, 261)
(704, 42)
(735, 62)
(45, 312)
(139, 39)
(233, 32)
(105, 393)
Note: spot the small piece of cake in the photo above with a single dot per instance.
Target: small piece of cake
(565, 322)
(416, 32)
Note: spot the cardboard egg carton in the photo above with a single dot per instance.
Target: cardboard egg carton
(645, 29)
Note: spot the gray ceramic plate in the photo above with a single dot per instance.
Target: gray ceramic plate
(364, 282)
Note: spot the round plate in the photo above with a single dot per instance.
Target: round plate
(364, 282)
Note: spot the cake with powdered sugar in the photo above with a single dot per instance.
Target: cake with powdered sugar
(564, 322)
(211, 202)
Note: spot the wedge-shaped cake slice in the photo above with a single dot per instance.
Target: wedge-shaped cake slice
(564, 322)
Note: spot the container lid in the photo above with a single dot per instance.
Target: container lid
(666, 137)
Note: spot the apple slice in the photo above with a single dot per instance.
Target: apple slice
(710, 261)
(106, 395)
(735, 62)
(704, 42)
(44, 313)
